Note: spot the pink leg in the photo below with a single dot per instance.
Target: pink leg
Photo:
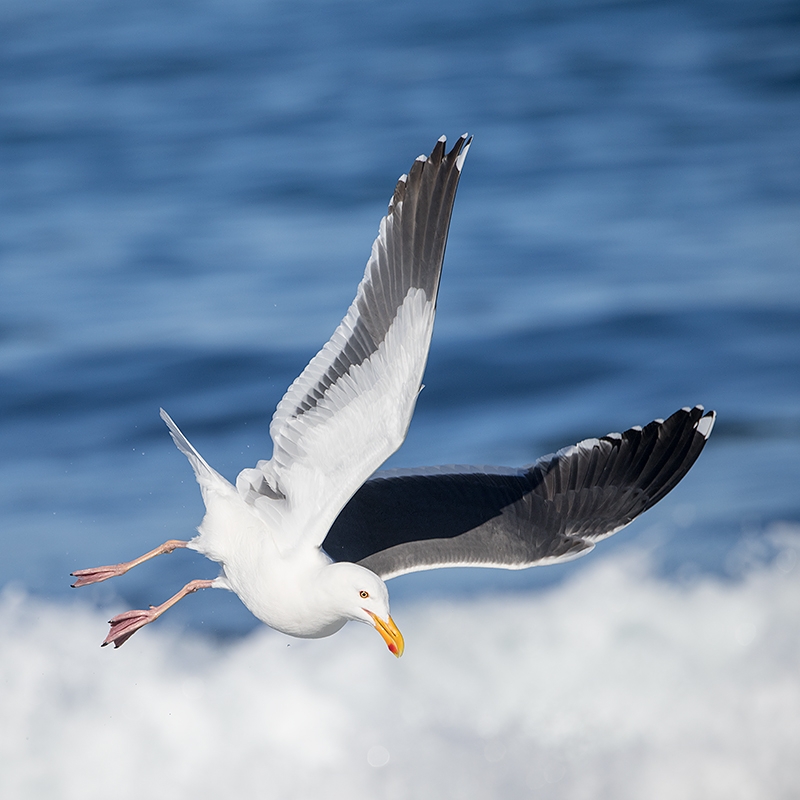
(123, 626)
(97, 574)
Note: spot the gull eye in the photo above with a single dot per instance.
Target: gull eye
(363, 594)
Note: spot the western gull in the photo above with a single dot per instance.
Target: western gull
(307, 539)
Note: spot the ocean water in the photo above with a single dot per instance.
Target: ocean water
(189, 192)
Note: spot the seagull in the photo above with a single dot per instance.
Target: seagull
(308, 538)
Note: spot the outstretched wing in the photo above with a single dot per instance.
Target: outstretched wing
(554, 510)
(350, 408)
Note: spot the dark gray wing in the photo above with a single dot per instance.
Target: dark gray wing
(350, 408)
(554, 510)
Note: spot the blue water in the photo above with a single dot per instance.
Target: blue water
(189, 192)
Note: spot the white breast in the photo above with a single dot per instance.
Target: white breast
(281, 589)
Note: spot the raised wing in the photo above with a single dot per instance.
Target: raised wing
(350, 408)
(554, 510)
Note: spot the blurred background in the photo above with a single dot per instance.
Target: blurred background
(188, 197)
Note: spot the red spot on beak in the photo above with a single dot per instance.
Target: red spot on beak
(391, 635)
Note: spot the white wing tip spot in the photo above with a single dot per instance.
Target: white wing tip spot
(443, 139)
(422, 158)
(706, 424)
(462, 156)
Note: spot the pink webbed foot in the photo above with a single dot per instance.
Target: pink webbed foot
(97, 574)
(123, 626)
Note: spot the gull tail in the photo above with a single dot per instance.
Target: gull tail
(207, 476)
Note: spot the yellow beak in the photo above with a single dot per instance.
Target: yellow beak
(390, 633)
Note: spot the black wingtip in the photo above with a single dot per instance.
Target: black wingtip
(669, 449)
(437, 154)
(458, 153)
(460, 150)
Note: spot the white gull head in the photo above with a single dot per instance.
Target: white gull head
(351, 592)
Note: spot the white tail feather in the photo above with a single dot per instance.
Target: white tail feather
(206, 475)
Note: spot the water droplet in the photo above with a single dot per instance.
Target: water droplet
(377, 756)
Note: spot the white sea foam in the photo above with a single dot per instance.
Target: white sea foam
(617, 684)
